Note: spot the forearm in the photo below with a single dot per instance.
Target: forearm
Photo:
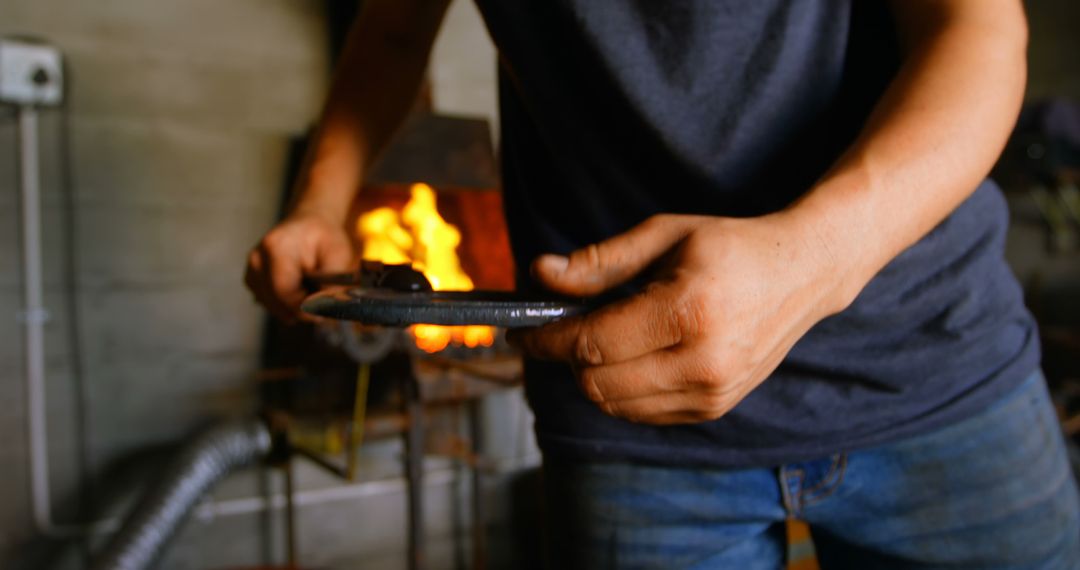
(929, 142)
(374, 87)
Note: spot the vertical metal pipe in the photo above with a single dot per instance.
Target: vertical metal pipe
(290, 515)
(414, 470)
(479, 518)
(34, 315)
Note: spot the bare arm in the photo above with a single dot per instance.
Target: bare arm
(738, 293)
(374, 87)
(932, 138)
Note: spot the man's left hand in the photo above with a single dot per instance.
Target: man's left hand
(725, 301)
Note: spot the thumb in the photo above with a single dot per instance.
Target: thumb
(601, 266)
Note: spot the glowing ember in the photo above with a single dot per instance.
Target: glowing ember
(419, 235)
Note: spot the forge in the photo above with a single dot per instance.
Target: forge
(433, 203)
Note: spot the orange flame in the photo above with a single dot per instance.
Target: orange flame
(419, 235)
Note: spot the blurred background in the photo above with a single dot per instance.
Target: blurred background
(169, 156)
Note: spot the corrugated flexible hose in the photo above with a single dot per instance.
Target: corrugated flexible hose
(203, 462)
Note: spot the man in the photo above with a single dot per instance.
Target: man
(809, 311)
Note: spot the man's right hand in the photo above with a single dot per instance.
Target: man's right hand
(303, 243)
(380, 71)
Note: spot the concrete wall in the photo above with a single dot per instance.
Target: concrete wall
(180, 118)
(463, 66)
(180, 115)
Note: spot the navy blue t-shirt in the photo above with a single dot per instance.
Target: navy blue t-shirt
(615, 110)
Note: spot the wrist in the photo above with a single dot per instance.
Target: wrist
(329, 200)
(839, 254)
(332, 213)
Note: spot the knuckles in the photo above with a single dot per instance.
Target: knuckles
(591, 258)
(713, 405)
(586, 350)
(588, 380)
(710, 371)
(690, 312)
(585, 261)
(273, 240)
(656, 221)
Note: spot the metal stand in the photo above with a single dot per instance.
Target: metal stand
(418, 395)
(291, 554)
(479, 520)
(414, 468)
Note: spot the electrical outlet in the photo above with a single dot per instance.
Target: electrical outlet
(31, 73)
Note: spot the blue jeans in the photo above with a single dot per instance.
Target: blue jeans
(992, 491)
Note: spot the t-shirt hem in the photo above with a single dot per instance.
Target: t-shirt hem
(982, 397)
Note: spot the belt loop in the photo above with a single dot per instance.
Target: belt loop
(790, 480)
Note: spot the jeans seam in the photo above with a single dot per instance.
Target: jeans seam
(825, 479)
(842, 469)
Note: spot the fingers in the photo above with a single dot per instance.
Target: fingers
(654, 319)
(690, 406)
(685, 384)
(665, 409)
(601, 266)
(665, 387)
(257, 279)
(296, 247)
(286, 280)
(659, 372)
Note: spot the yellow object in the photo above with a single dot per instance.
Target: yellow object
(801, 555)
(356, 437)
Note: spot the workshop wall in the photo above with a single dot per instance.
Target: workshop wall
(462, 70)
(179, 119)
(179, 122)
